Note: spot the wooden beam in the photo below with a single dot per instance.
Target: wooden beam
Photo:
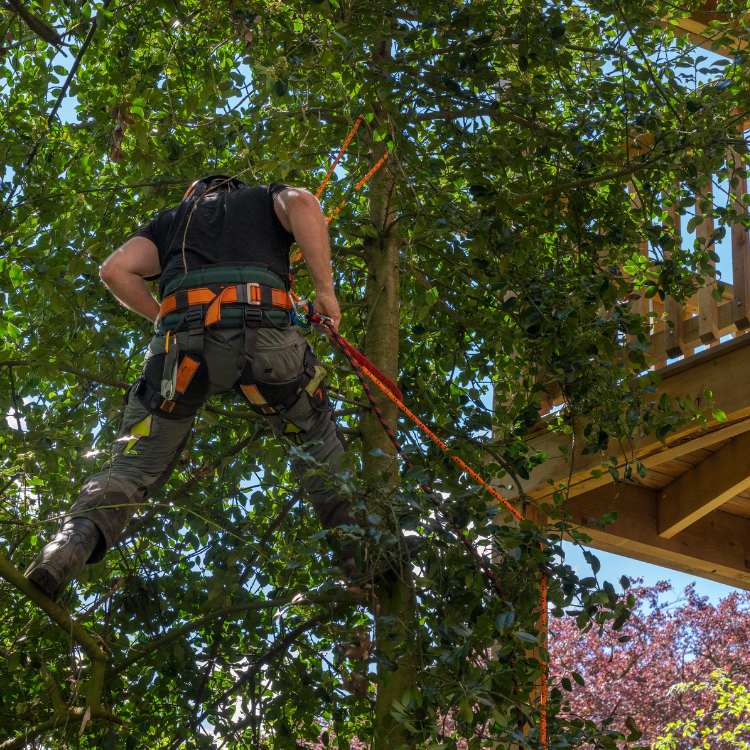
(696, 26)
(722, 369)
(691, 330)
(705, 487)
(714, 547)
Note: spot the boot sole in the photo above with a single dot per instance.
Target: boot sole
(48, 583)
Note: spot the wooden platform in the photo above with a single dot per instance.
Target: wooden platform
(697, 28)
(692, 511)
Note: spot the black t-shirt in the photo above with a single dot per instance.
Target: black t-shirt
(226, 228)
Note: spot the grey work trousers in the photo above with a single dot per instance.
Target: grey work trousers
(140, 466)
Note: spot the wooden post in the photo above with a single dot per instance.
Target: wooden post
(639, 304)
(708, 309)
(675, 334)
(740, 246)
(657, 307)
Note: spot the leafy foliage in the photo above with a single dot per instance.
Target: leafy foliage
(485, 250)
(658, 674)
(722, 725)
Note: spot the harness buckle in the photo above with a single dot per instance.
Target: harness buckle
(253, 316)
(252, 292)
(194, 318)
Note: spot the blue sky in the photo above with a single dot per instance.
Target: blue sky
(616, 566)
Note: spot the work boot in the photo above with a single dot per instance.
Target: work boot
(386, 562)
(65, 557)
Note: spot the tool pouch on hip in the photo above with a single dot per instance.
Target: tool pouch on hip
(187, 384)
(277, 398)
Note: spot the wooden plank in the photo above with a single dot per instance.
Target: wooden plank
(691, 334)
(740, 247)
(638, 302)
(707, 486)
(708, 312)
(715, 547)
(738, 506)
(675, 334)
(655, 480)
(696, 25)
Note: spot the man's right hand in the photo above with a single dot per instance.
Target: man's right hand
(327, 306)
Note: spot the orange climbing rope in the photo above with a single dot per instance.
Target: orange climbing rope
(361, 368)
(359, 185)
(543, 691)
(339, 155)
(435, 439)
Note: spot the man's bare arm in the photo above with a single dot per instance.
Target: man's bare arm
(124, 271)
(299, 213)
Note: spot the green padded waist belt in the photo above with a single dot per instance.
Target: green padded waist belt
(224, 275)
(230, 318)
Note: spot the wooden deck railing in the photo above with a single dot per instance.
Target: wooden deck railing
(701, 320)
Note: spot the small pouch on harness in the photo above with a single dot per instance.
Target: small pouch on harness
(188, 385)
(277, 398)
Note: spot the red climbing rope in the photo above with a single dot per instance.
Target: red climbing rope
(359, 369)
(362, 366)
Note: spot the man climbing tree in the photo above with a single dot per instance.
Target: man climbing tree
(474, 269)
(222, 259)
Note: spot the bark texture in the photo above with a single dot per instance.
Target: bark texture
(395, 597)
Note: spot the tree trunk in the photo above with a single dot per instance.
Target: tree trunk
(394, 598)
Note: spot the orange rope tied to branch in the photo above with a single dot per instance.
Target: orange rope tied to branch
(543, 693)
(543, 587)
(340, 154)
(360, 366)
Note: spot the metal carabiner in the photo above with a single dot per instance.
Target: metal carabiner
(296, 318)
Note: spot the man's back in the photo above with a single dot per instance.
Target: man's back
(222, 228)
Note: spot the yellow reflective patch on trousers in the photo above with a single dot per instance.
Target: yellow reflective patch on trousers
(143, 428)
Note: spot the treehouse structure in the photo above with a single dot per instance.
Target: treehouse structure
(692, 511)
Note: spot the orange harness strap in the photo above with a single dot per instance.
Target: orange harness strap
(279, 298)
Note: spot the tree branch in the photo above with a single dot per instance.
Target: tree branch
(59, 615)
(422, 280)
(253, 606)
(30, 734)
(140, 523)
(39, 26)
(495, 114)
(64, 90)
(255, 667)
(565, 186)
